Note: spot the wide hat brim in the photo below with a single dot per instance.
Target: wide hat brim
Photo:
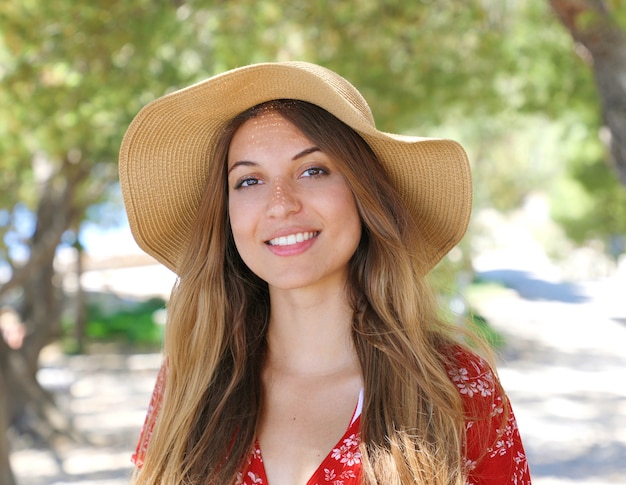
(167, 149)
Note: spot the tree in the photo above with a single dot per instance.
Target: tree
(73, 74)
(601, 42)
(6, 476)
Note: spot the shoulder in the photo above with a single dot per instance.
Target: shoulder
(484, 400)
(472, 375)
(494, 453)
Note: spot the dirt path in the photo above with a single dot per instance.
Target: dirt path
(107, 395)
(564, 369)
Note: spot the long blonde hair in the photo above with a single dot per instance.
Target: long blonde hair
(412, 425)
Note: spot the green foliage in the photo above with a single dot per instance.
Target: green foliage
(476, 293)
(512, 156)
(72, 76)
(135, 325)
(587, 199)
(502, 77)
(591, 204)
(485, 331)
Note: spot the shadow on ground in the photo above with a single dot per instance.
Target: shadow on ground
(530, 287)
(564, 369)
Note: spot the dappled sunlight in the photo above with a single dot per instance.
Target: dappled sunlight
(107, 396)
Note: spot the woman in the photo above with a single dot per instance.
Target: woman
(303, 344)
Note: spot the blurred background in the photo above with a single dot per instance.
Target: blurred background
(534, 89)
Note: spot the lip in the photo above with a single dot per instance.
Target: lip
(291, 242)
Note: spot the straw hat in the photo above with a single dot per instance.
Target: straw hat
(166, 151)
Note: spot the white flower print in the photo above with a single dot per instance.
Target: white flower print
(330, 476)
(497, 407)
(337, 452)
(352, 458)
(458, 375)
(470, 465)
(499, 448)
(482, 386)
(352, 440)
(520, 458)
(348, 453)
(255, 479)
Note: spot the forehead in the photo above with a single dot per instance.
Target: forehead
(268, 123)
(269, 130)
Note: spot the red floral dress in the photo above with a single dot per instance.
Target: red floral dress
(341, 466)
(501, 462)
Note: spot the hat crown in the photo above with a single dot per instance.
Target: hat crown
(342, 86)
(330, 80)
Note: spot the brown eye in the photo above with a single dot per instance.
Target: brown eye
(247, 182)
(314, 172)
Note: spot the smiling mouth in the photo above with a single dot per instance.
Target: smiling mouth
(292, 239)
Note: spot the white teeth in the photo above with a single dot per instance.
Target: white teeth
(292, 239)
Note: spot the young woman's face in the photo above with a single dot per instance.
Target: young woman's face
(292, 214)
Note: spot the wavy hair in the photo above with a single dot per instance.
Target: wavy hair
(412, 426)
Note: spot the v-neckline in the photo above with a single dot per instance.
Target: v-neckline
(352, 429)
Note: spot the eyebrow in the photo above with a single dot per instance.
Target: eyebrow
(306, 152)
(303, 153)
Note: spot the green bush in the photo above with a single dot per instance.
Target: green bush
(485, 331)
(133, 324)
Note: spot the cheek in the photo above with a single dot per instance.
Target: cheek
(237, 225)
(348, 208)
(242, 226)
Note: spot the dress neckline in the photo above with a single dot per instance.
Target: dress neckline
(359, 408)
(351, 438)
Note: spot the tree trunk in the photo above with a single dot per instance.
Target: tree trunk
(592, 28)
(25, 404)
(42, 297)
(6, 475)
(27, 407)
(80, 304)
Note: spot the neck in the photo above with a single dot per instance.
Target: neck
(310, 333)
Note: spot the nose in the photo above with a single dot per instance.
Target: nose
(284, 199)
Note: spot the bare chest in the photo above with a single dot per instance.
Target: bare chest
(301, 423)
